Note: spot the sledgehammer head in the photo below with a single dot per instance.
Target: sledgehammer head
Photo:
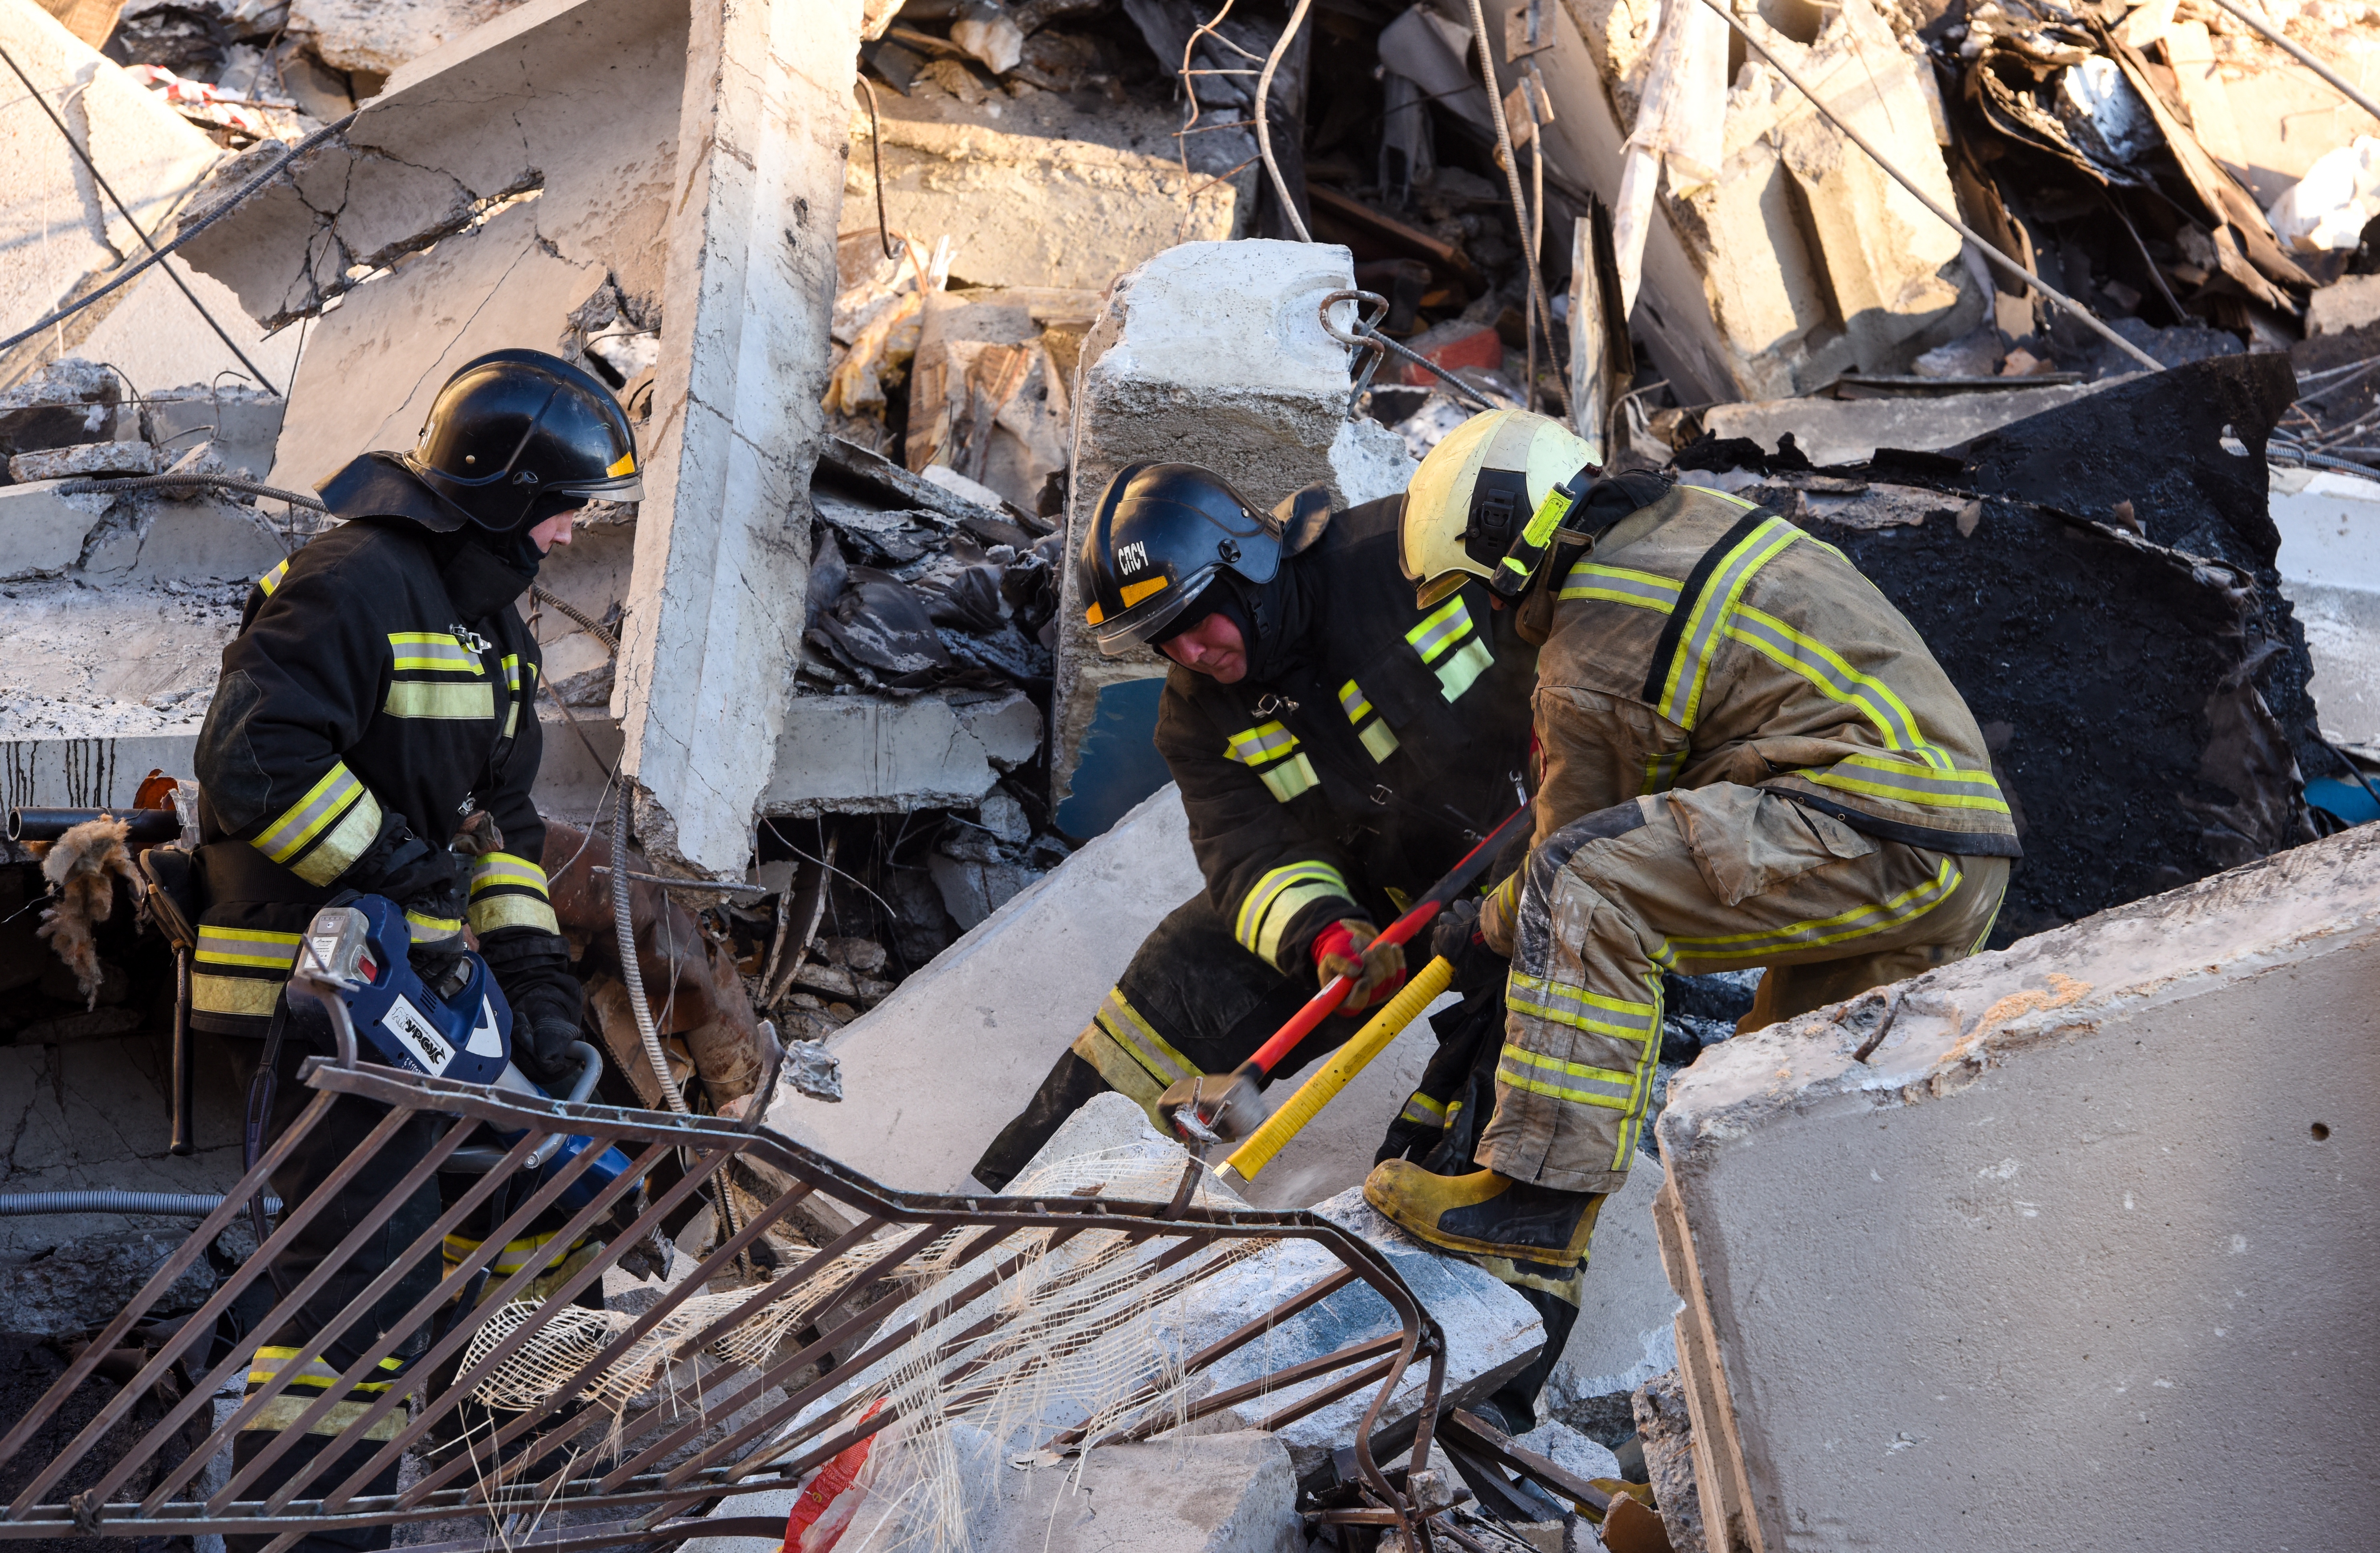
(1215, 1108)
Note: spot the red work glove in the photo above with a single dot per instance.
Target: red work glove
(1347, 948)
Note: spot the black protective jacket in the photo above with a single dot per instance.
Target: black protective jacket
(1370, 747)
(380, 688)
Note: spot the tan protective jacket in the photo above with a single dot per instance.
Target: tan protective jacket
(1704, 642)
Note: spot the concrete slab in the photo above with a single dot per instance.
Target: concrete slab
(55, 227)
(932, 1074)
(1035, 193)
(866, 755)
(2329, 525)
(158, 341)
(1847, 430)
(2063, 1223)
(41, 531)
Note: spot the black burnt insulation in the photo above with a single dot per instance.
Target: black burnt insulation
(2143, 710)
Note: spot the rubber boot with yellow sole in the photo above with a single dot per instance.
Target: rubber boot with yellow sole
(1484, 1214)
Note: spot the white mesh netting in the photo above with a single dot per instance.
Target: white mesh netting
(1089, 1332)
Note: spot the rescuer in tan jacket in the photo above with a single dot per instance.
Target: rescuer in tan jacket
(1746, 758)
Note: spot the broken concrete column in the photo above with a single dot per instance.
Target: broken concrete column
(931, 1073)
(1211, 354)
(2047, 1215)
(722, 545)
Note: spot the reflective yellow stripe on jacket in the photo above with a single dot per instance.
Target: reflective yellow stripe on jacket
(317, 837)
(1271, 750)
(240, 970)
(1451, 648)
(1273, 902)
(1128, 1052)
(1379, 740)
(509, 891)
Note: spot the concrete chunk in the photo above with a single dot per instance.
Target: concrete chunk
(2330, 569)
(83, 461)
(866, 755)
(2062, 1225)
(1847, 430)
(1665, 1430)
(41, 531)
(933, 1072)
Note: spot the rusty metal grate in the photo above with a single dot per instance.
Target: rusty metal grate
(643, 1474)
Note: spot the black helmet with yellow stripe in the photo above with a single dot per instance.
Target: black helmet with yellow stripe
(1161, 534)
(518, 436)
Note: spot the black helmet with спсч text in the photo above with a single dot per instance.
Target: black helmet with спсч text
(1162, 533)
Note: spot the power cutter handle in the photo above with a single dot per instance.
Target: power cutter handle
(1335, 1074)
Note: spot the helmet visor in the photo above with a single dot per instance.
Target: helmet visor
(1136, 626)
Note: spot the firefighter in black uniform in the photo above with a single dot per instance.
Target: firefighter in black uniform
(1337, 749)
(381, 692)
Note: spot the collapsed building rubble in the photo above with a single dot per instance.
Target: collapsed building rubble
(884, 349)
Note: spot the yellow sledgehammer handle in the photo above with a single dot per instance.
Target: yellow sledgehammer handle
(1334, 1075)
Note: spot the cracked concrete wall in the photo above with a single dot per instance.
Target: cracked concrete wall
(56, 228)
(715, 604)
(92, 1115)
(2096, 1213)
(496, 188)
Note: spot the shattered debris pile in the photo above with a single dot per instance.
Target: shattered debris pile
(897, 824)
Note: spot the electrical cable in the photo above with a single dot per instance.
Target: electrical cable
(632, 974)
(222, 209)
(876, 150)
(1263, 122)
(109, 189)
(159, 1205)
(2083, 314)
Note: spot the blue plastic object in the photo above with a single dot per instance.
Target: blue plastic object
(1119, 765)
(467, 1036)
(2351, 802)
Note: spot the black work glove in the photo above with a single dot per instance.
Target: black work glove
(545, 1021)
(1455, 937)
(1415, 1132)
(434, 886)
